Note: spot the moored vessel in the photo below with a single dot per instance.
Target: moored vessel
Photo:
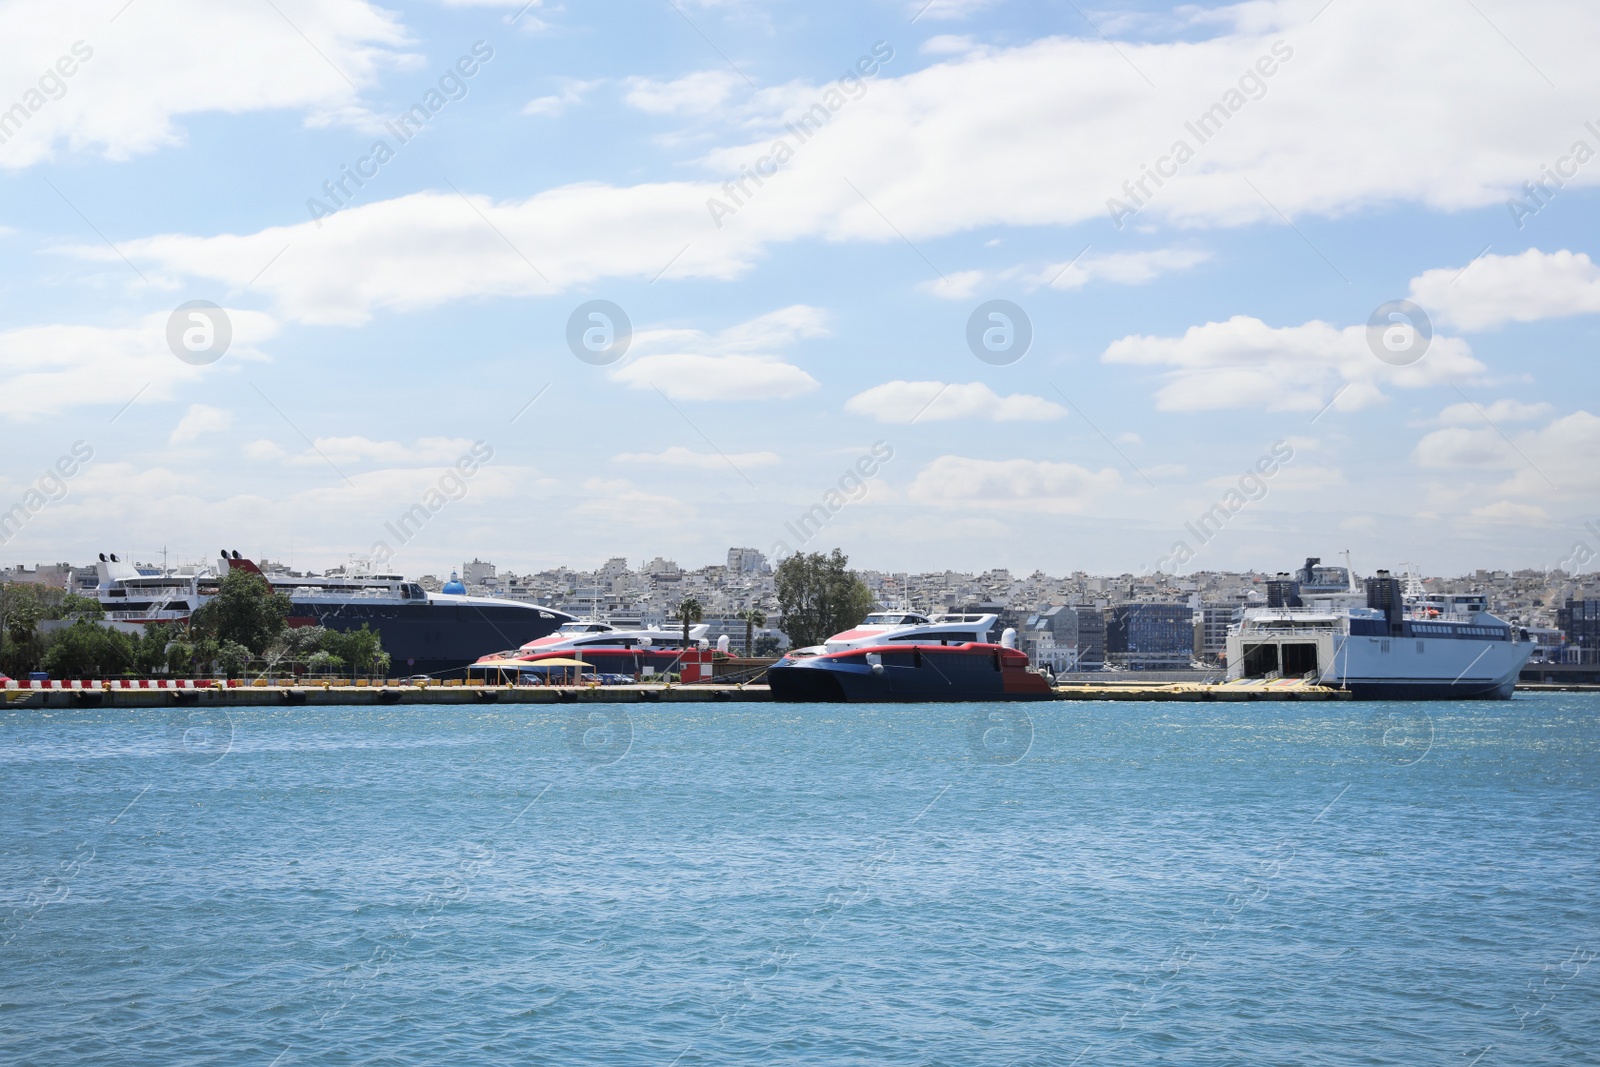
(1383, 641)
(907, 656)
(423, 632)
(640, 652)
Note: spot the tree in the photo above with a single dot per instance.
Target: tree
(766, 645)
(87, 650)
(324, 663)
(360, 650)
(820, 596)
(752, 618)
(22, 605)
(180, 657)
(74, 606)
(245, 611)
(233, 658)
(191, 654)
(690, 611)
(150, 649)
(294, 645)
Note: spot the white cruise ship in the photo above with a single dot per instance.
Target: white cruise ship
(423, 632)
(1382, 642)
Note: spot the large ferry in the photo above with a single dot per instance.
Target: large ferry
(1384, 641)
(636, 652)
(908, 656)
(423, 632)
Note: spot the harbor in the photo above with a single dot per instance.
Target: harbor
(238, 633)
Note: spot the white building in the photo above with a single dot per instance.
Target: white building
(478, 572)
(746, 561)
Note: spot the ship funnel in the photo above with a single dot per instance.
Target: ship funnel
(102, 557)
(1008, 639)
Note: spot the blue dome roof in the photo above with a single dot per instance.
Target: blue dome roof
(454, 586)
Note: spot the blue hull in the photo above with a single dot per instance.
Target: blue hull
(1501, 690)
(430, 638)
(834, 683)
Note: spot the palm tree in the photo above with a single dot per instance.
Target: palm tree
(690, 611)
(752, 618)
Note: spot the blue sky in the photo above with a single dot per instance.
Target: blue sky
(985, 159)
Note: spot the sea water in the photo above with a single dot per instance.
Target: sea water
(1092, 883)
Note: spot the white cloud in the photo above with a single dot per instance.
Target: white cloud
(678, 456)
(947, 9)
(200, 419)
(1244, 363)
(904, 402)
(699, 93)
(426, 450)
(427, 249)
(134, 76)
(1120, 268)
(734, 364)
(619, 502)
(948, 44)
(1497, 411)
(1509, 512)
(1021, 484)
(1495, 290)
(1295, 477)
(1555, 459)
(1124, 268)
(1461, 447)
(572, 92)
(264, 450)
(684, 376)
(1040, 134)
(50, 369)
(957, 285)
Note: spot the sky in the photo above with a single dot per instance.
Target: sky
(957, 284)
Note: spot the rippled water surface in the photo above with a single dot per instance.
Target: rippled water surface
(1105, 883)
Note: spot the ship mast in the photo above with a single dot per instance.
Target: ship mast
(1413, 582)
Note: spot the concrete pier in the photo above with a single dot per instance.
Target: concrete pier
(109, 695)
(1254, 689)
(350, 695)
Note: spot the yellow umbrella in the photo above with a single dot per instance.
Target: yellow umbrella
(558, 662)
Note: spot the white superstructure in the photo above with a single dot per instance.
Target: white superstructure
(1380, 642)
(882, 627)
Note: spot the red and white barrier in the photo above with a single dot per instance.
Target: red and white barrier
(93, 685)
